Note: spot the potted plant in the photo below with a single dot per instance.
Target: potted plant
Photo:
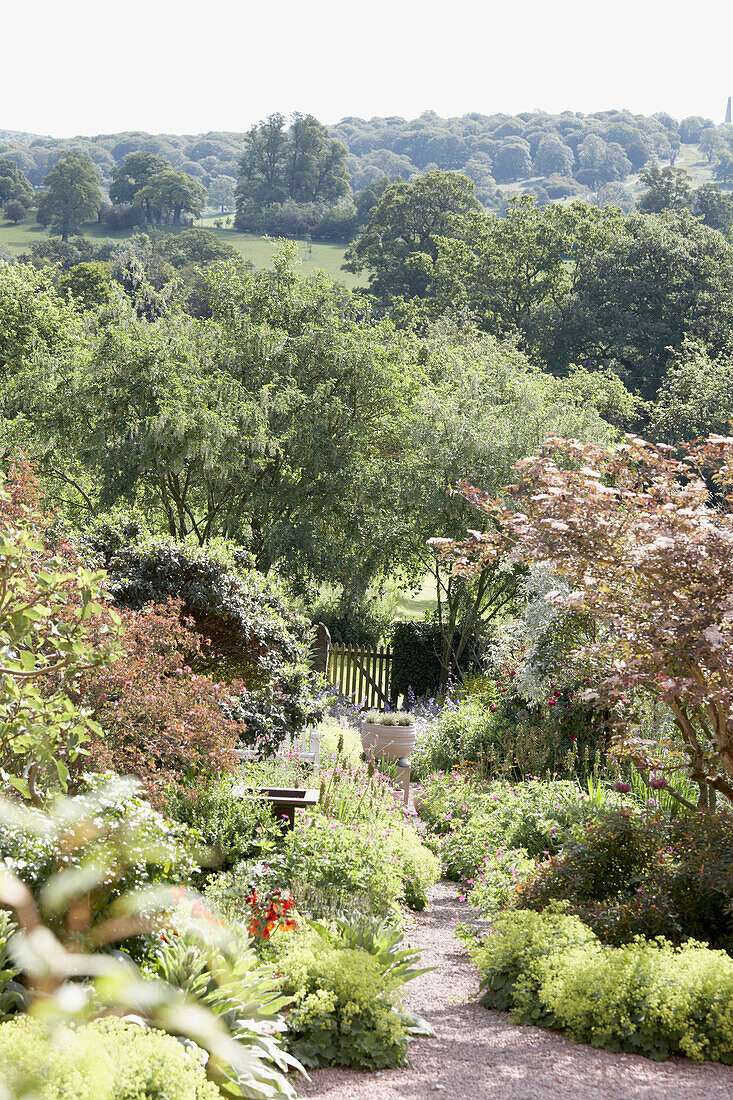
(387, 735)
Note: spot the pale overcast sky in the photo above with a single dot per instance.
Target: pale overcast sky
(84, 67)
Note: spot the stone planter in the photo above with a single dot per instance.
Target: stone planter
(387, 742)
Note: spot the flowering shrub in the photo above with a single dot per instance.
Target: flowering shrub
(474, 820)
(104, 1060)
(647, 997)
(643, 534)
(489, 723)
(494, 883)
(267, 914)
(230, 823)
(332, 867)
(35, 847)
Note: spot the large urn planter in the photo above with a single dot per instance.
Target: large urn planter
(387, 736)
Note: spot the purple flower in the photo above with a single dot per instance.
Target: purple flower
(622, 788)
(657, 782)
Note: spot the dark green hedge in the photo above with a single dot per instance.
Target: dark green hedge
(415, 658)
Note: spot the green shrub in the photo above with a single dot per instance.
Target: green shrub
(476, 820)
(462, 732)
(343, 1006)
(628, 875)
(489, 724)
(105, 1060)
(647, 997)
(339, 743)
(510, 956)
(234, 826)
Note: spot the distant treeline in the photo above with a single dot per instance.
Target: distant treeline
(296, 177)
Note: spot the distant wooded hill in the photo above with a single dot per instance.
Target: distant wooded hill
(552, 156)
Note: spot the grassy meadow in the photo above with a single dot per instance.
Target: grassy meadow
(318, 255)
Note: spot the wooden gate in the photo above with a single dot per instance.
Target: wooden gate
(361, 673)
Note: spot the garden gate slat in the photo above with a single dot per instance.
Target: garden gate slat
(361, 674)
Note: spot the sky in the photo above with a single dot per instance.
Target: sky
(83, 67)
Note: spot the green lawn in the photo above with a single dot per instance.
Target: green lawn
(413, 605)
(15, 239)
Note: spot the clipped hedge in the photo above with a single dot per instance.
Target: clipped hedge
(416, 648)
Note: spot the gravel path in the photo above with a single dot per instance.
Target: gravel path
(480, 1053)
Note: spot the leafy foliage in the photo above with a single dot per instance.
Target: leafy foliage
(62, 938)
(654, 573)
(162, 721)
(105, 1060)
(343, 983)
(53, 632)
(627, 875)
(647, 997)
(247, 634)
(233, 825)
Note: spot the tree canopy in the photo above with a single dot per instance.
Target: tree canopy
(72, 195)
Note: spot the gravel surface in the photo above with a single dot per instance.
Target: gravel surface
(481, 1053)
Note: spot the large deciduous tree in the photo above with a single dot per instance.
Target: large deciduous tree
(301, 163)
(221, 192)
(169, 193)
(485, 406)
(72, 194)
(404, 229)
(656, 279)
(666, 189)
(14, 184)
(644, 534)
(135, 172)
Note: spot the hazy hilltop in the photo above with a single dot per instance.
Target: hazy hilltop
(553, 156)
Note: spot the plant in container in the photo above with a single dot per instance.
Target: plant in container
(388, 735)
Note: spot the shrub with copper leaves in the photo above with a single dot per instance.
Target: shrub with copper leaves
(630, 874)
(643, 534)
(250, 636)
(162, 721)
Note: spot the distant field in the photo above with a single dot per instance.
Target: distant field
(16, 239)
(689, 157)
(316, 255)
(414, 605)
